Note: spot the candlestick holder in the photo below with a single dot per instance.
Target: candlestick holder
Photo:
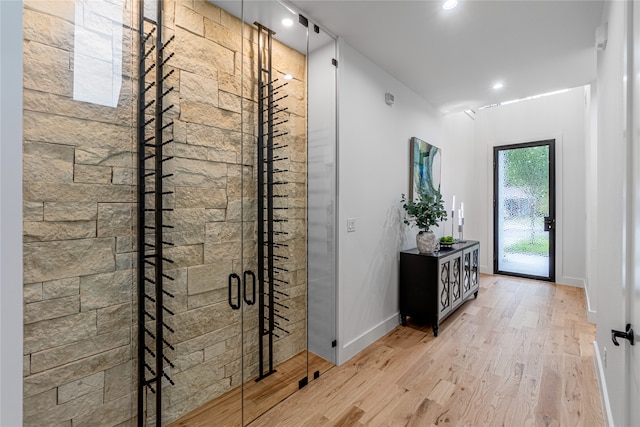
(453, 216)
(461, 231)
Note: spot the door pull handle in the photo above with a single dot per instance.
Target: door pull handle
(253, 287)
(628, 335)
(232, 277)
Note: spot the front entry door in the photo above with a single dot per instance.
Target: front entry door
(524, 210)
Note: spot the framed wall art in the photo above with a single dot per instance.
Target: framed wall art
(426, 163)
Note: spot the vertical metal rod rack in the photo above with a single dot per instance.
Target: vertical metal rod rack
(270, 116)
(151, 276)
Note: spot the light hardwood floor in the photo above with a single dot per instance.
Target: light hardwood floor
(519, 355)
(257, 397)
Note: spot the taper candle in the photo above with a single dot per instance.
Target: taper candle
(460, 217)
(453, 204)
(461, 210)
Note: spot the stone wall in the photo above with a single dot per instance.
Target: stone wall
(78, 225)
(79, 214)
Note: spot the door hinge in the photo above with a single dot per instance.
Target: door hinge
(303, 382)
(304, 21)
(334, 62)
(316, 29)
(334, 343)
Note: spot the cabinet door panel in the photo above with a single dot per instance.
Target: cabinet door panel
(475, 279)
(444, 288)
(456, 281)
(466, 274)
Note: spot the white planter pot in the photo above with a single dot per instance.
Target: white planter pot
(427, 242)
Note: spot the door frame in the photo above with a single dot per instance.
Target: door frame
(552, 207)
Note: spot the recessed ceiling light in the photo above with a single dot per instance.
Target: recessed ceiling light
(449, 4)
(288, 76)
(287, 22)
(498, 85)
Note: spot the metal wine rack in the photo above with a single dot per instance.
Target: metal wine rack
(272, 204)
(153, 135)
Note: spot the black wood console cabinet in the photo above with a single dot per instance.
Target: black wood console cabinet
(432, 286)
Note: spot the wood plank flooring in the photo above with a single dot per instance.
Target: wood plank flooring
(519, 355)
(258, 397)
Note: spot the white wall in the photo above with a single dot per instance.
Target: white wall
(460, 176)
(373, 172)
(10, 213)
(560, 117)
(611, 161)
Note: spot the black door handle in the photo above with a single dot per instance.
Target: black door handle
(253, 290)
(548, 223)
(628, 335)
(233, 276)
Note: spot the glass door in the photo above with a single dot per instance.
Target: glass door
(524, 210)
(322, 174)
(274, 205)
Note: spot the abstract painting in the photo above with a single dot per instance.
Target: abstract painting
(425, 167)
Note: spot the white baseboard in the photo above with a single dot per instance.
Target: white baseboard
(571, 281)
(486, 270)
(602, 382)
(355, 346)
(592, 315)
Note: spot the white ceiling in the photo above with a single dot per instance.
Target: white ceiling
(453, 58)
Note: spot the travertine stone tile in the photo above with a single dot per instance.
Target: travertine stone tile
(51, 309)
(115, 219)
(32, 292)
(57, 332)
(197, 173)
(72, 211)
(48, 359)
(43, 231)
(189, 20)
(77, 388)
(118, 381)
(47, 69)
(207, 198)
(32, 211)
(54, 192)
(46, 261)
(208, 277)
(194, 87)
(106, 289)
(47, 162)
(114, 317)
(92, 174)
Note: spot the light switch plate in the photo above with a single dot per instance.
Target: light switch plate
(351, 225)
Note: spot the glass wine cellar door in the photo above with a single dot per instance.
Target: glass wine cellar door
(172, 153)
(235, 217)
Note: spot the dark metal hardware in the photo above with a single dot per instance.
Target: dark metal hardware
(232, 277)
(628, 335)
(253, 287)
(303, 382)
(548, 223)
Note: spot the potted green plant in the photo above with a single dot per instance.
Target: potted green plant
(425, 212)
